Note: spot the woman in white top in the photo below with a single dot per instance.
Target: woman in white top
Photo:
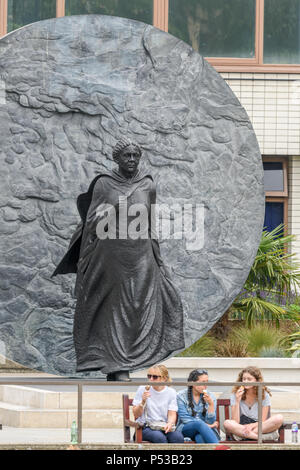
(244, 408)
(157, 403)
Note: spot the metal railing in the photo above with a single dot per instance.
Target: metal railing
(80, 383)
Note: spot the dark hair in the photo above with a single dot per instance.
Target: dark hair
(193, 377)
(122, 144)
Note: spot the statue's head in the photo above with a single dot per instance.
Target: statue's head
(127, 155)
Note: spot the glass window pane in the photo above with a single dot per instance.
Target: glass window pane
(215, 28)
(282, 32)
(274, 215)
(141, 10)
(273, 176)
(24, 12)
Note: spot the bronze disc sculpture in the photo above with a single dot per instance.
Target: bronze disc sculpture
(72, 89)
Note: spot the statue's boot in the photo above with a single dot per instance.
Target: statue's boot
(110, 377)
(120, 376)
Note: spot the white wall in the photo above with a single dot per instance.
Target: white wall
(272, 102)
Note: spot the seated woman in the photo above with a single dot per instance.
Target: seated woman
(197, 410)
(244, 408)
(157, 403)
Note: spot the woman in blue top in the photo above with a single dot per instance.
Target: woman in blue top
(197, 410)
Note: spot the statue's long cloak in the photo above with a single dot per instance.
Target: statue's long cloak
(128, 315)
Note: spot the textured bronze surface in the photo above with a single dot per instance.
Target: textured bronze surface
(70, 87)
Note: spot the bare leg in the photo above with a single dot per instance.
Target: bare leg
(239, 429)
(272, 424)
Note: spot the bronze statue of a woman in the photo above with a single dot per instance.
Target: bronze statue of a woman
(128, 315)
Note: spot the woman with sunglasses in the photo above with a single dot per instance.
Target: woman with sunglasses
(157, 403)
(197, 410)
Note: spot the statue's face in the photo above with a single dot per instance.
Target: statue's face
(129, 159)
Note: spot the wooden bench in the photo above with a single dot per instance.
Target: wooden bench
(223, 410)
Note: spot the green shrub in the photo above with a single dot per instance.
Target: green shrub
(272, 352)
(291, 342)
(231, 347)
(259, 337)
(204, 347)
(263, 339)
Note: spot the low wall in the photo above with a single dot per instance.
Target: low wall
(227, 368)
(219, 368)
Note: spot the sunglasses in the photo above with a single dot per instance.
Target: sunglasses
(154, 377)
(202, 371)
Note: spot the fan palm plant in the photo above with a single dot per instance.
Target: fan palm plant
(273, 278)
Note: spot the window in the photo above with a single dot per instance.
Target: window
(241, 35)
(274, 177)
(141, 10)
(274, 215)
(276, 190)
(215, 28)
(17, 13)
(28, 11)
(282, 32)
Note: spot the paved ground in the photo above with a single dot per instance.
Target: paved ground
(10, 435)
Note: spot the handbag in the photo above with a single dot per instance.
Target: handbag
(156, 425)
(246, 420)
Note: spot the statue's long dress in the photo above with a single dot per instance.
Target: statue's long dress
(129, 315)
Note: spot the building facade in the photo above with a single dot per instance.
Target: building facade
(253, 44)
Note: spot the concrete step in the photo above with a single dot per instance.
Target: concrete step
(18, 416)
(22, 417)
(285, 400)
(34, 407)
(289, 415)
(45, 399)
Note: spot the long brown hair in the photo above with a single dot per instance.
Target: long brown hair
(256, 373)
